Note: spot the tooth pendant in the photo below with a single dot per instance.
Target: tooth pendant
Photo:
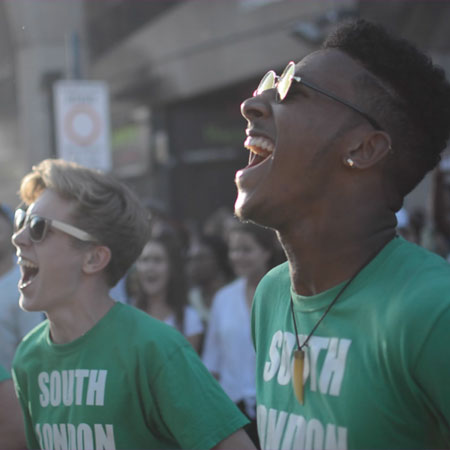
(297, 380)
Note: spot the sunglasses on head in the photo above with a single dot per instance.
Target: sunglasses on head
(283, 83)
(38, 227)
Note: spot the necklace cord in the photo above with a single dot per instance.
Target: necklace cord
(372, 257)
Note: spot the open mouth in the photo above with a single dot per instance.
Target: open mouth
(29, 272)
(260, 149)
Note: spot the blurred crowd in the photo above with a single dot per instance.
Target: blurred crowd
(430, 230)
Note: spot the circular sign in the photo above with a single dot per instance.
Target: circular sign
(82, 125)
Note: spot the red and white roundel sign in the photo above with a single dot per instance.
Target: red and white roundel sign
(82, 125)
(82, 122)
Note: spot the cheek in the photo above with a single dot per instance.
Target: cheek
(165, 275)
(140, 274)
(159, 271)
(235, 258)
(64, 260)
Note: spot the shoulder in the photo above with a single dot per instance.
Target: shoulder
(150, 341)
(192, 322)
(143, 329)
(410, 291)
(191, 313)
(275, 280)
(236, 285)
(230, 292)
(418, 273)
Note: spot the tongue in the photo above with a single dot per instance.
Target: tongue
(29, 274)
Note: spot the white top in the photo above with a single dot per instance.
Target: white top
(228, 348)
(192, 323)
(195, 298)
(14, 322)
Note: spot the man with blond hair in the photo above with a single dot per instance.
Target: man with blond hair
(101, 374)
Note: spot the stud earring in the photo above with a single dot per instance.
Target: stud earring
(350, 162)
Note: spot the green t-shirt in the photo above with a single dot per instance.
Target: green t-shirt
(4, 374)
(131, 382)
(377, 369)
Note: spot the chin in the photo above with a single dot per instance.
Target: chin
(247, 211)
(26, 305)
(243, 208)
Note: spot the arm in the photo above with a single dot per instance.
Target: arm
(432, 373)
(195, 340)
(211, 346)
(193, 328)
(197, 411)
(12, 433)
(238, 440)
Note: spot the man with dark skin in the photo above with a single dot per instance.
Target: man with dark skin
(350, 333)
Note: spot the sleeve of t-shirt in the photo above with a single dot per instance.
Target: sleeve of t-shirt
(29, 431)
(432, 372)
(191, 403)
(211, 346)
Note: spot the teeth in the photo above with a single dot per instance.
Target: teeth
(23, 285)
(29, 272)
(259, 145)
(26, 263)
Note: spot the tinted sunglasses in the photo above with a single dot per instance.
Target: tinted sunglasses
(283, 83)
(38, 227)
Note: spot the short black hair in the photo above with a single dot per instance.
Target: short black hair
(407, 94)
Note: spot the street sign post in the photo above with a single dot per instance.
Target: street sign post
(82, 123)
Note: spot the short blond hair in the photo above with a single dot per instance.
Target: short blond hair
(103, 206)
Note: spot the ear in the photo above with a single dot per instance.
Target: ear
(96, 259)
(369, 151)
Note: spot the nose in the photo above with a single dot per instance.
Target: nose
(255, 107)
(20, 238)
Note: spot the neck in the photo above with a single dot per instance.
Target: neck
(156, 305)
(319, 261)
(159, 310)
(209, 289)
(76, 319)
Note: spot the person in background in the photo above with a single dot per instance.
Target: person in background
(228, 349)
(436, 236)
(14, 322)
(208, 270)
(219, 222)
(410, 224)
(163, 289)
(352, 333)
(99, 373)
(12, 433)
